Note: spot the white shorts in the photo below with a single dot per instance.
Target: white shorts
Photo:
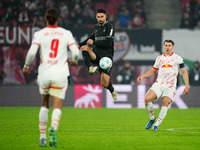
(55, 88)
(163, 90)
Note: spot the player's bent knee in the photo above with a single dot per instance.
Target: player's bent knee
(147, 99)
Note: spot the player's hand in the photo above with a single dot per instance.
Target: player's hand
(72, 63)
(186, 89)
(79, 47)
(139, 79)
(90, 41)
(26, 70)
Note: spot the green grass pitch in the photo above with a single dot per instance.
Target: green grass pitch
(101, 128)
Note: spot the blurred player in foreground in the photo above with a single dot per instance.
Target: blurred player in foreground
(103, 40)
(53, 70)
(165, 85)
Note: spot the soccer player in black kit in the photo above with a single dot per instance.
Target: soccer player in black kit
(103, 40)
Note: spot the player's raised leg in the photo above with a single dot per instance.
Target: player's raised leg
(105, 82)
(43, 118)
(149, 97)
(163, 112)
(89, 55)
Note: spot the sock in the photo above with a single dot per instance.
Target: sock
(110, 87)
(149, 108)
(162, 115)
(86, 58)
(43, 118)
(55, 118)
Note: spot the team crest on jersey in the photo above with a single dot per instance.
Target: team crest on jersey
(166, 66)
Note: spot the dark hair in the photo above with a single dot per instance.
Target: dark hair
(196, 62)
(170, 41)
(51, 16)
(101, 11)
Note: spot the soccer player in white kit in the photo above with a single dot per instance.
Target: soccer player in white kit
(52, 41)
(167, 65)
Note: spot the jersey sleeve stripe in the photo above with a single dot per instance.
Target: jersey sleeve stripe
(155, 68)
(111, 31)
(71, 44)
(36, 43)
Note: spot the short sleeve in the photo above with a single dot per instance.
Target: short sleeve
(71, 40)
(156, 64)
(179, 60)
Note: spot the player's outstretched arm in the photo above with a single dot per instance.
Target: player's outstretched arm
(146, 75)
(186, 80)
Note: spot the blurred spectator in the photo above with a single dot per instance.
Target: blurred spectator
(2, 74)
(126, 75)
(3, 22)
(117, 24)
(186, 21)
(2, 11)
(129, 25)
(198, 25)
(137, 21)
(124, 18)
(89, 10)
(87, 20)
(9, 15)
(111, 19)
(23, 16)
(194, 75)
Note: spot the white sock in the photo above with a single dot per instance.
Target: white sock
(149, 108)
(55, 118)
(43, 118)
(162, 115)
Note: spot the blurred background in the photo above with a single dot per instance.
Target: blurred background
(141, 27)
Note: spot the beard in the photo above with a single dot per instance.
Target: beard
(101, 22)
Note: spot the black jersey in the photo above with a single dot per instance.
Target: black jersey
(103, 37)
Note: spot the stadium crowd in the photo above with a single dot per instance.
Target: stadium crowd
(73, 13)
(190, 14)
(128, 14)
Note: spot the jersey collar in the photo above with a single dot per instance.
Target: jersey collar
(169, 55)
(52, 26)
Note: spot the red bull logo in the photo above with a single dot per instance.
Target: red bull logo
(166, 66)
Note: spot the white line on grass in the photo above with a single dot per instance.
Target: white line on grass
(96, 129)
(111, 129)
(185, 130)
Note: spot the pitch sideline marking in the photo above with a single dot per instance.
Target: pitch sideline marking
(183, 130)
(103, 129)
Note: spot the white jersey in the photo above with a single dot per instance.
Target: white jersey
(168, 69)
(53, 43)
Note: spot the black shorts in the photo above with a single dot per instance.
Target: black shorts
(96, 62)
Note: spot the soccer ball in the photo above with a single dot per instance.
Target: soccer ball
(105, 63)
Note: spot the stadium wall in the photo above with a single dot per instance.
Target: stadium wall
(94, 96)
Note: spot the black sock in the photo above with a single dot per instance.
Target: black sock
(86, 58)
(110, 87)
